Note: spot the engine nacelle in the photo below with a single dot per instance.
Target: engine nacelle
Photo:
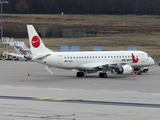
(125, 69)
(28, 57)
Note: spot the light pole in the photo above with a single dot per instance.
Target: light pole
(2, 1)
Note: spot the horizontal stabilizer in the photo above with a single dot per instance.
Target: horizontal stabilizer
(41, 56)
(13, 54)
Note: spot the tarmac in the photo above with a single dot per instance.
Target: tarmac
(28, 91)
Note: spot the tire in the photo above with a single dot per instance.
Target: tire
(80, 74)
(103, 75)
(100, 75)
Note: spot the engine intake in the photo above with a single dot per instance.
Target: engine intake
(28, 57)
(125, 69)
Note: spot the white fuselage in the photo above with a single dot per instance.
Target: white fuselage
(121, 62)
(82, 60)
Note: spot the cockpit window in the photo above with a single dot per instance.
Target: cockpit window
(148, 55)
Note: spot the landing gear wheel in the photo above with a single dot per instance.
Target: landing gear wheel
(140, 73)
(144, 71)
(80, 74)
(103, 75)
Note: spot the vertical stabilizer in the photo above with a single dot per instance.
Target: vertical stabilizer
(36, 44)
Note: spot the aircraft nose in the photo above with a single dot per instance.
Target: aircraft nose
(152, 61)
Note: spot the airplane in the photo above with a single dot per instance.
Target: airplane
(120, 62)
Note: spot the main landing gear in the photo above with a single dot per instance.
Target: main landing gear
(80, 74)
(103, 75)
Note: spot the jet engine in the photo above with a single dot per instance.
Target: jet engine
(28, 56)
(125, 69)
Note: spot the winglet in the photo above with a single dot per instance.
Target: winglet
(134, 60)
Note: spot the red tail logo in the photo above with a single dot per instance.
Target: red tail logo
(134, 60)
(35, 41)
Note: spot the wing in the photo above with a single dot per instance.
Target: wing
(98, 66)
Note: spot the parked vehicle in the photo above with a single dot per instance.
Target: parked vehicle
(144, 69)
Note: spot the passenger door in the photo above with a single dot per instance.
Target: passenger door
(60, 59)
(143, 57)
